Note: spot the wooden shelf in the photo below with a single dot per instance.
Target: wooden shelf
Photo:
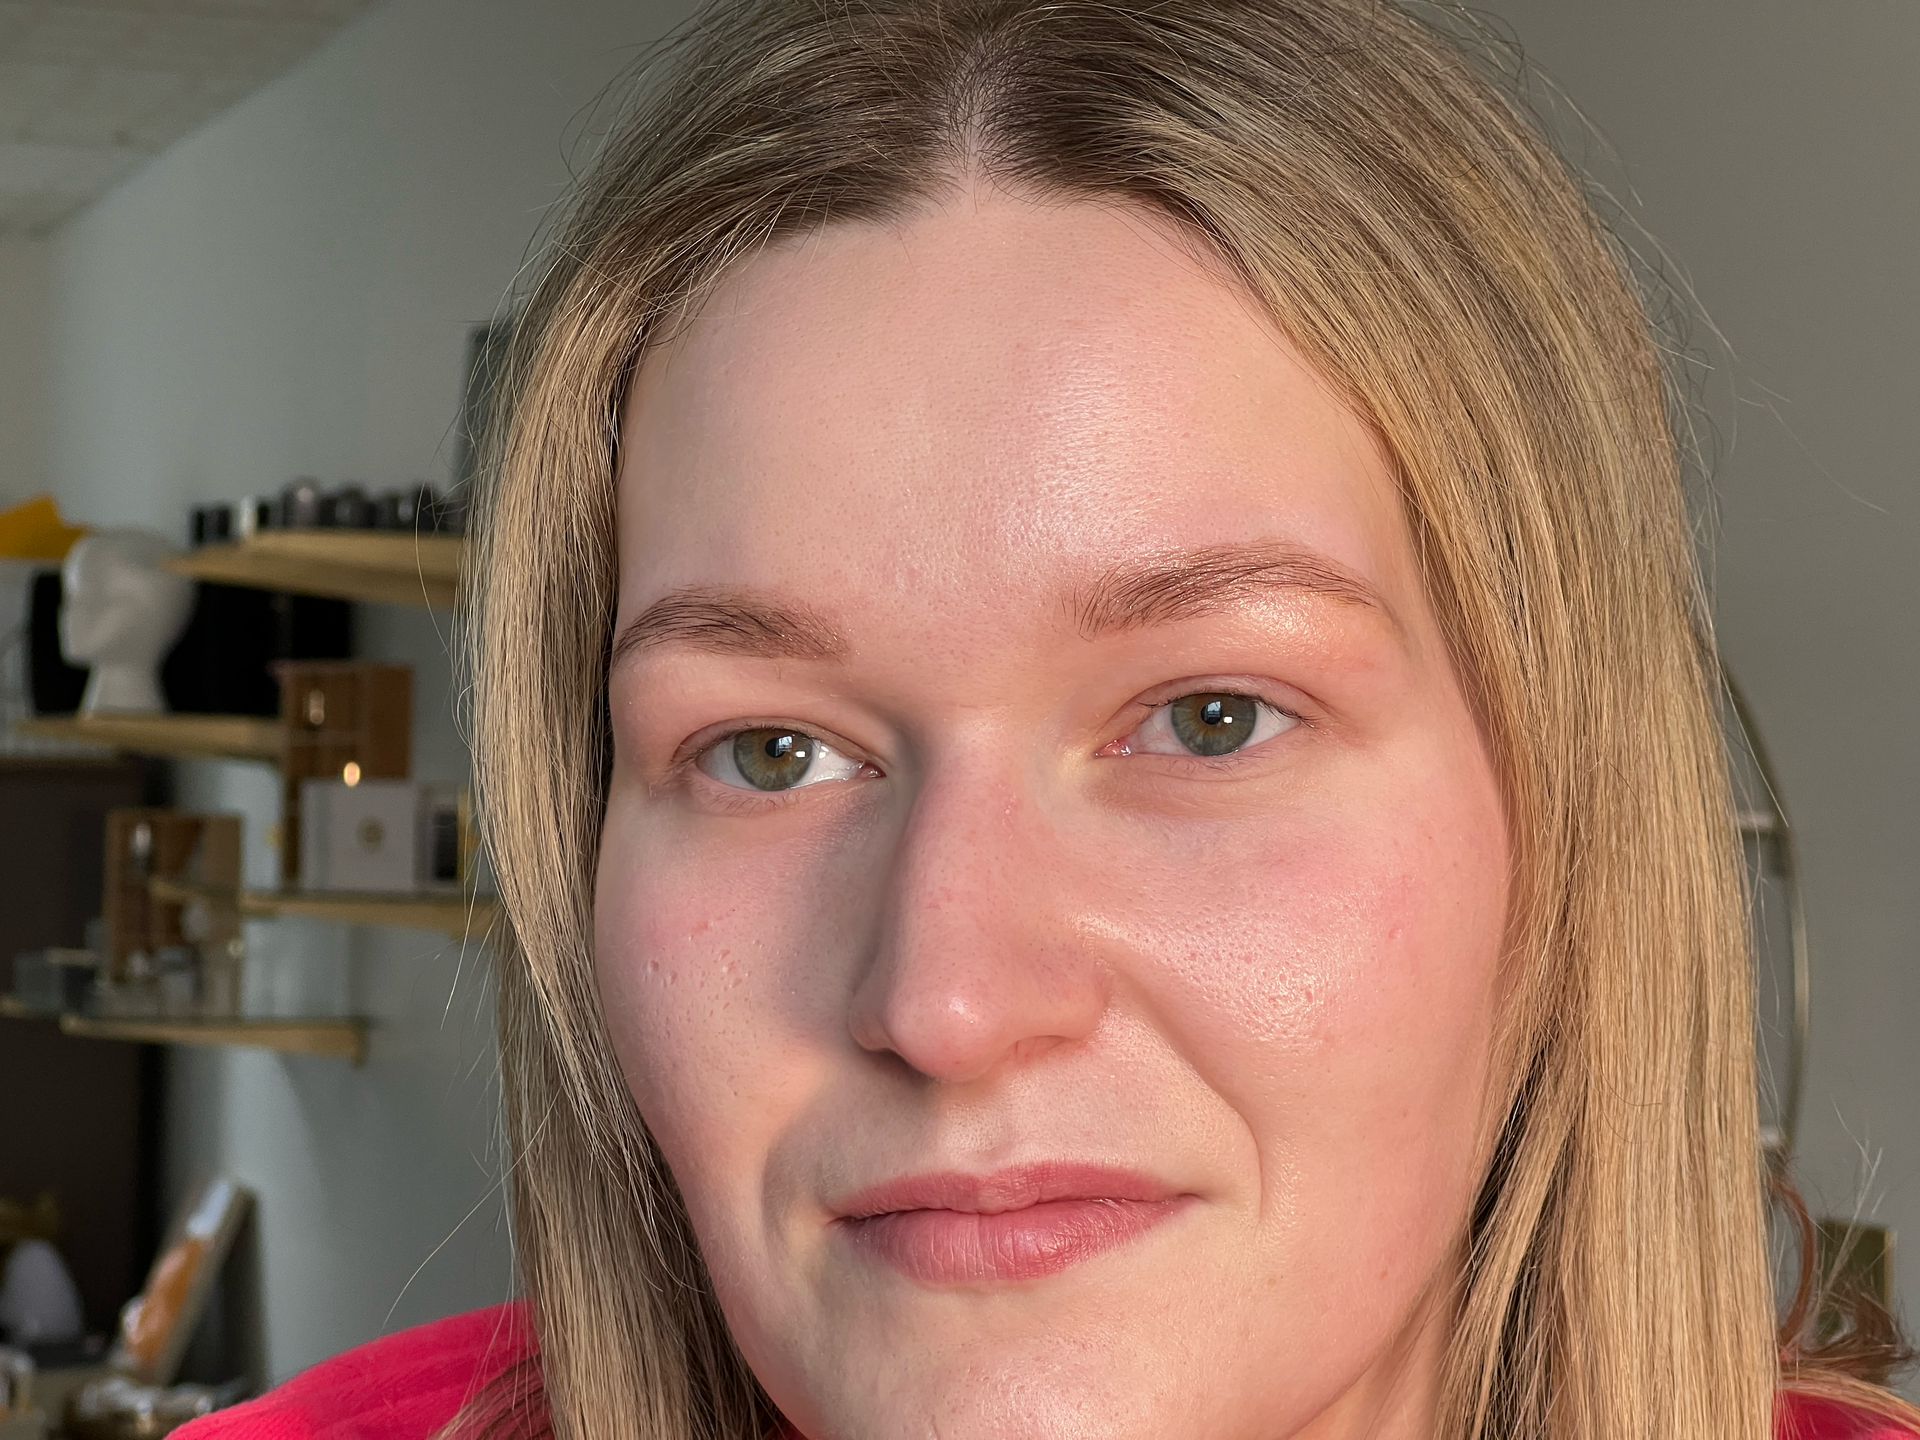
(344, 1039)
(383, 566)
(460, 916)
(227, 737)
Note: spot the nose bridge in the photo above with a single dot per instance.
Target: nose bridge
(977, 961)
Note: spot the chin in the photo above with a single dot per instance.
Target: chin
(1120, 1363)
(1061, 1387)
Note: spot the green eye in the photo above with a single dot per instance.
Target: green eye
(778, 757)
(774, 759)
(1213, 724)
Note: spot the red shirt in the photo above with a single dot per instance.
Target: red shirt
(407, 1386)
(400, 1387)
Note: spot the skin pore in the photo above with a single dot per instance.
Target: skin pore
(1053, 1059)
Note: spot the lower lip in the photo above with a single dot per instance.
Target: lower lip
(948, 1247)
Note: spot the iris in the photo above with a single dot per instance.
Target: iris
(1213, 724)
(774, 759)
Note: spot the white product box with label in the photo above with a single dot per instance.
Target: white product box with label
(361, 837)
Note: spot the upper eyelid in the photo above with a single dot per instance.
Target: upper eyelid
(1263, 692)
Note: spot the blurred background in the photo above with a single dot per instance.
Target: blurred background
(250, 255)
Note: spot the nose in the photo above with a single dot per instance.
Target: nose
(979, 962)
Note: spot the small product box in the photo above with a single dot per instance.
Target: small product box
(360, 838)
(444, 832)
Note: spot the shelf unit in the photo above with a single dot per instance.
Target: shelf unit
(374, 565)
(460, 916)
(219, 737)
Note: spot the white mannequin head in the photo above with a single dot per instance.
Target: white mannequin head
(121, 614)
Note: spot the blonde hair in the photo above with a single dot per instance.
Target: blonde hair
(1410, 231)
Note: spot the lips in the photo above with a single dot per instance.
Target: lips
(1015, 1224)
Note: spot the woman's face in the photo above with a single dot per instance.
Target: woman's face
(1051, 898)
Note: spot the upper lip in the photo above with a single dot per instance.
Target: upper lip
(1014, 1188)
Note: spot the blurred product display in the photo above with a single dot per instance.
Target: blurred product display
(114, 1407)
(221, 664)
(20, 1418)
(211, 524)
(55, 980)
(172, 948)
(48, 1370)
(300, 507)
(156, 1324)
(359, 837)
(305, 504)
(224, 662)
(39, 1304)
(350, 721)
(228, 649)
(447, 840)
(383, 837)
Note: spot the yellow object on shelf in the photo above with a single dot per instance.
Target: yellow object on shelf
(233, 737)
(460, 916)
(341, 1039)
(394, 569)
(33, 530)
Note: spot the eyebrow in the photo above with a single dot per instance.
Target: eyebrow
(1139, 594)
(1187, 584)
(730, 622)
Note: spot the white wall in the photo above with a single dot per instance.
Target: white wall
(23, 388)
(287, 292)
(1769, 146)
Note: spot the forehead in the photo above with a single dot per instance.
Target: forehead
(997, 393)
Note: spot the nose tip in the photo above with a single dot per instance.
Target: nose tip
(953, 1038)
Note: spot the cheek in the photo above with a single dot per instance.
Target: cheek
(1332, 971)
(717, 971)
